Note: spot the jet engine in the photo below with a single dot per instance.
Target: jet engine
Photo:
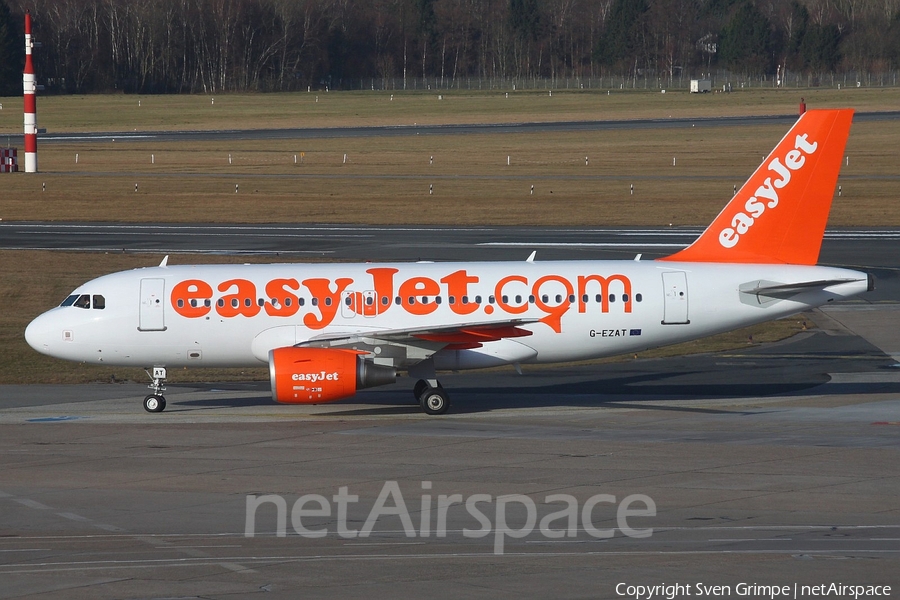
(314, 375)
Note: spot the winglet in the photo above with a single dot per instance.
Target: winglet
(779, 215)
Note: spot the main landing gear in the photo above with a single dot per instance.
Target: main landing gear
(431, 397)
(156, 402)
(428, 390)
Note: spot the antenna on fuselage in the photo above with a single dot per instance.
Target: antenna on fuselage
(165, 261)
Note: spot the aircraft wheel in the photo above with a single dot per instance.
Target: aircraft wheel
(434, 401)
(154, 403)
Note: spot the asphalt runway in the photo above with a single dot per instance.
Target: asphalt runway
(774, 465)
(871, 250)
(454, 129)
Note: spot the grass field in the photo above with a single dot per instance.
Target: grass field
(386, 180)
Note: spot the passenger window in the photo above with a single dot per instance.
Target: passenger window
(638, 297)
(83, 301)
(70, 300)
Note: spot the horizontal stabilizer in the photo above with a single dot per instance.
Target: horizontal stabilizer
(765, 292)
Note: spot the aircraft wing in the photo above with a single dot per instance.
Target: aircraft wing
(470, 335)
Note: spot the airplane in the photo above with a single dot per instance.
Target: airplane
(328, 330)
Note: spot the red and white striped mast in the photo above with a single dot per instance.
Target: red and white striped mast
(30, 86)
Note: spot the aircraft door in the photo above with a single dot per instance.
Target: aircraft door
(358, 303)
(675, 310)
(349, 304)
(152, 315)
(369, 303)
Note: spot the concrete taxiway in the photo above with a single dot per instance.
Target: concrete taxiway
(772, 465)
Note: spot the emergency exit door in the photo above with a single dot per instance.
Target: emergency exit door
(152, 305)
(675, 310)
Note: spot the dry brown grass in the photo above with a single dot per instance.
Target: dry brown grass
(386, 179)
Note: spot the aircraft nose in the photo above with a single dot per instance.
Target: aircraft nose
(40, 332)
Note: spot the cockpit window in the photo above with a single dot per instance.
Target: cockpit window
(70, 300)
(99, 302)
(83, 301)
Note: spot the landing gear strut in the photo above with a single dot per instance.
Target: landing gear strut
(428, 390)
(156, 402)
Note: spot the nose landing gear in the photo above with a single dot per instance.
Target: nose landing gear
(156, 402)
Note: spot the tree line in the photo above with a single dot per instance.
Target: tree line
(182, 46)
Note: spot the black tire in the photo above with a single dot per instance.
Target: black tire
(154, 403)
(419, 389)
(434, 401)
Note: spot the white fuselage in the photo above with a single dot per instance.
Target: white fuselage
(233, 315)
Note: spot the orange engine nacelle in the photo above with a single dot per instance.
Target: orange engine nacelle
(313, 375)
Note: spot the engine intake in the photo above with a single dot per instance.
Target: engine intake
(313, 375)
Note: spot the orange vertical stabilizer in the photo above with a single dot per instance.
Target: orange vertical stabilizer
(779, 215)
